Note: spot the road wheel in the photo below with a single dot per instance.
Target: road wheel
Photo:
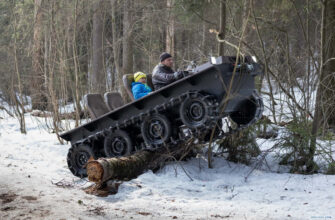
(156, 130)
(118, 144)
(77, 158)
(196, 110)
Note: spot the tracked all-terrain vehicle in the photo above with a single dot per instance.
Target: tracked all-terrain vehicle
(222, 88)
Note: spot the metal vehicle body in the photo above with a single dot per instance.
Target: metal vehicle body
(198, 101)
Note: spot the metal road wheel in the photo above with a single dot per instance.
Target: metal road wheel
(194, 111)
(156, 130)
(77, 158)
(117, 144)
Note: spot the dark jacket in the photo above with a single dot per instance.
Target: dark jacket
(140, 89)
(162, 75)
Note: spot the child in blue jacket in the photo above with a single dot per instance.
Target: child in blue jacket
(140, 88)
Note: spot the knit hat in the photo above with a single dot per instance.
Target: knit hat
(164, 56)
(139, 75)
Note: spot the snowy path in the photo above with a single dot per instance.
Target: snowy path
(30, 163)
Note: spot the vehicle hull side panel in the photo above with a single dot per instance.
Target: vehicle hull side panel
(208, 78)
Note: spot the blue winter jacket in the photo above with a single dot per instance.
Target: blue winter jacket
(140, 89)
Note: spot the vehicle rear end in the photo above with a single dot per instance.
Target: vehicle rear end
(240, 100)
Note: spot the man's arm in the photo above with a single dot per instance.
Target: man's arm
(163, 77)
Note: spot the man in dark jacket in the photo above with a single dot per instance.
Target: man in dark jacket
(163, 73)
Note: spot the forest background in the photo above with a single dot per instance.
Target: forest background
(52, 53)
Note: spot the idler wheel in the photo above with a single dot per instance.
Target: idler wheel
(156, 130)
(77, 158)
(117, 144)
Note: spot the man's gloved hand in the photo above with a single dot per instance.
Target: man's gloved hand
(245, 67)
(181, 74)
(185, 73)
(178, 74)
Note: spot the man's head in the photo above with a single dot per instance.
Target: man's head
(140, 77)
(166, 59)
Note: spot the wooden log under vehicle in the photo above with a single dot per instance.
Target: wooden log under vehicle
(121, 168)
(125, 168)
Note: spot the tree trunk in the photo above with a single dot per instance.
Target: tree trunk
(98, 79)
(327, 82)
(76, 67)
(222, 31)
(19, 107)
(245, 15)
(127, 59)
(204, 47)
(38, 93)
(170, 36)
(319, 104)
(116, 47)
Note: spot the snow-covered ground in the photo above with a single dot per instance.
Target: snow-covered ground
(32, 164)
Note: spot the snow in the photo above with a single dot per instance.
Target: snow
(31, 164)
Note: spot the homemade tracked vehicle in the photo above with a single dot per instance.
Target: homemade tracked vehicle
(196, 103)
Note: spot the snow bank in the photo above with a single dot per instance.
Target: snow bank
(30, 164)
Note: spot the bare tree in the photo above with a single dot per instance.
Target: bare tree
(327, 77)
(127, 58)
(170, 29)
(98, 79)
(18, 100)
(222, 30)
(76, 66)
(116, 46)
(38, 97)
(324, 104)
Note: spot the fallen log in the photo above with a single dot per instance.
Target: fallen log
(126, 168)
(121, 168)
